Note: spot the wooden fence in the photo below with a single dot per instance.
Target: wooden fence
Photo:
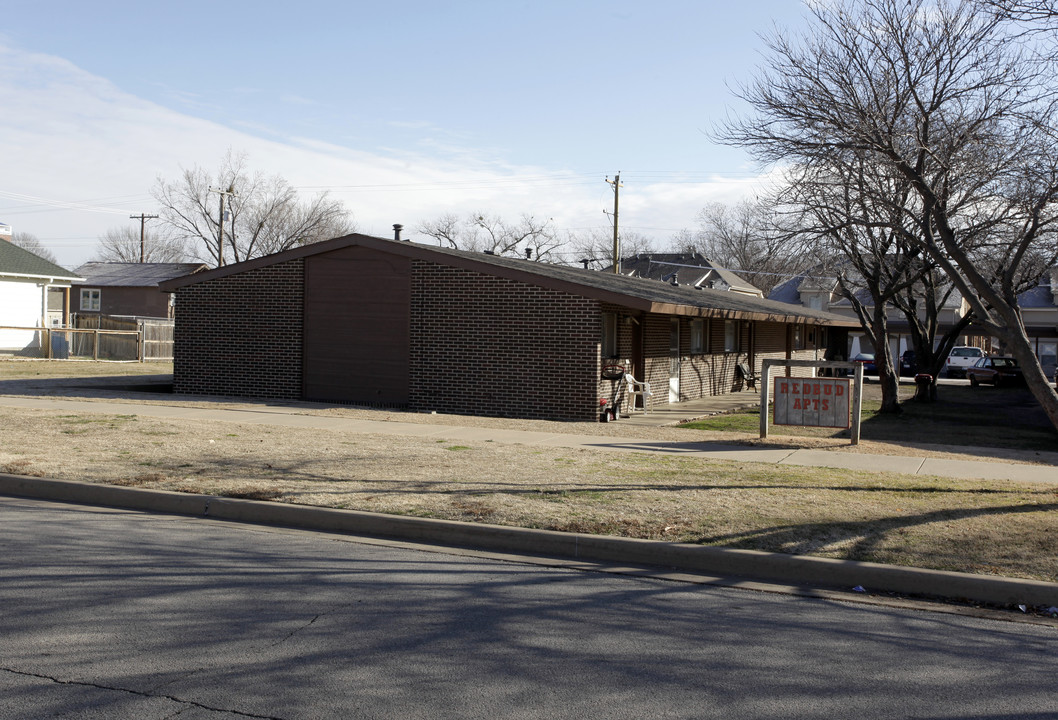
(105, 338)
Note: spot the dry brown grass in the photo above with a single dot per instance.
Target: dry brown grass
(973, 526)
(15, 368)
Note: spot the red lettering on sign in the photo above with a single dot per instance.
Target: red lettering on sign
(839, 390)
(796, 389)
(827, 389)
(815, 389)
(826, 404)
(784, 388)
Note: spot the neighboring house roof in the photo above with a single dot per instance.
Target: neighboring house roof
(1044, 295)
(19, 262)
(791, 291)
(688, 269)
(636, 293)
(787, 291)
(116, 274)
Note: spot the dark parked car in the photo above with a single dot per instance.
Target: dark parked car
(868, 363)
(995, 370)
(907, 363)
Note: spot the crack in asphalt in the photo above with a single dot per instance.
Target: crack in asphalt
(173, 698)
(305, 626)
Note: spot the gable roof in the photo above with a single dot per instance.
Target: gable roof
(19, 262)
(634, 293)
(689, 269)
(119, 274)
(1044, 295)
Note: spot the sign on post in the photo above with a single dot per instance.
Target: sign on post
(799, 403)
(812, 402)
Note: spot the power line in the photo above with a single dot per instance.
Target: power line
(52, 203)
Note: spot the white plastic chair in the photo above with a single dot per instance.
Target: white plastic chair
(633, 388)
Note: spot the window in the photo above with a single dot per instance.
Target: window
(799, 337)
(609, 335)
(730, 336)
(90, 300)
(697, 336)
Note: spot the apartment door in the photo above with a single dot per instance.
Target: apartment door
(674, 360)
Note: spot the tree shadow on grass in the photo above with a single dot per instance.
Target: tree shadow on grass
(806, 538)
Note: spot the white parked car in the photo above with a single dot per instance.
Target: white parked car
(961, 358)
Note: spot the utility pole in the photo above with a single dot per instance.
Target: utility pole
(220, 223)
(143, 223)
(616, 182)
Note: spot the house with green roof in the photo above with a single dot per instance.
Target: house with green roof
(34, 293)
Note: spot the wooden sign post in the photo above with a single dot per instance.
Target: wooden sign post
(812, 401)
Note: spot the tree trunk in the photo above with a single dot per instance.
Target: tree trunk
(883, 362)
(1020, 347)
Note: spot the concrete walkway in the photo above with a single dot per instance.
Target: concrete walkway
(292, 415)
(693, 409)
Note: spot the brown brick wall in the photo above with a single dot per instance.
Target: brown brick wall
(482, 345)
(241, 335)
(479, 344)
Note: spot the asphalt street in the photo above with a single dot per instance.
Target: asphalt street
(121, 614)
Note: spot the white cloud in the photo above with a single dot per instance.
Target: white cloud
(70, 136)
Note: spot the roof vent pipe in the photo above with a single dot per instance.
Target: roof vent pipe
(528, 253)
(396, 231)
(585, 261)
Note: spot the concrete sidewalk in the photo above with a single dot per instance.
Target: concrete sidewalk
(292, 415)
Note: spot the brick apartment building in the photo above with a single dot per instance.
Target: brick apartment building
(370, 321)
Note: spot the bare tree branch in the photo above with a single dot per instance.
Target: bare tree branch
(264, 215)
(122, 244)
(946, 98)
(29, 241)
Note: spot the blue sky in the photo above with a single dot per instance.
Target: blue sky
(403, 110)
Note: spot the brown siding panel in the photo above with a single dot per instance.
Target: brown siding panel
(357, 304)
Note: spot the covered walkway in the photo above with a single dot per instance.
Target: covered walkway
(675, 413)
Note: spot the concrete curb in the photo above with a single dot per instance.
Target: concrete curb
(752, 564)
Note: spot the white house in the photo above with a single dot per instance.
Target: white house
(33, 293)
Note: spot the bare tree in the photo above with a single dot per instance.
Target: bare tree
(1036, 12)
(122, 244)
(596, 246)
(29, 241)
(263, 214)
(869, 219)
(752, 238)
(946, 98)
(481, 232)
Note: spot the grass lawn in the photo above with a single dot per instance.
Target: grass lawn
(963, 416)
(969, 525)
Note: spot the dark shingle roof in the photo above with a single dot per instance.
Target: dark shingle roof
(18, 261)
(116, 274)
(1044, 295)
(636, 293)
(690, 269)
